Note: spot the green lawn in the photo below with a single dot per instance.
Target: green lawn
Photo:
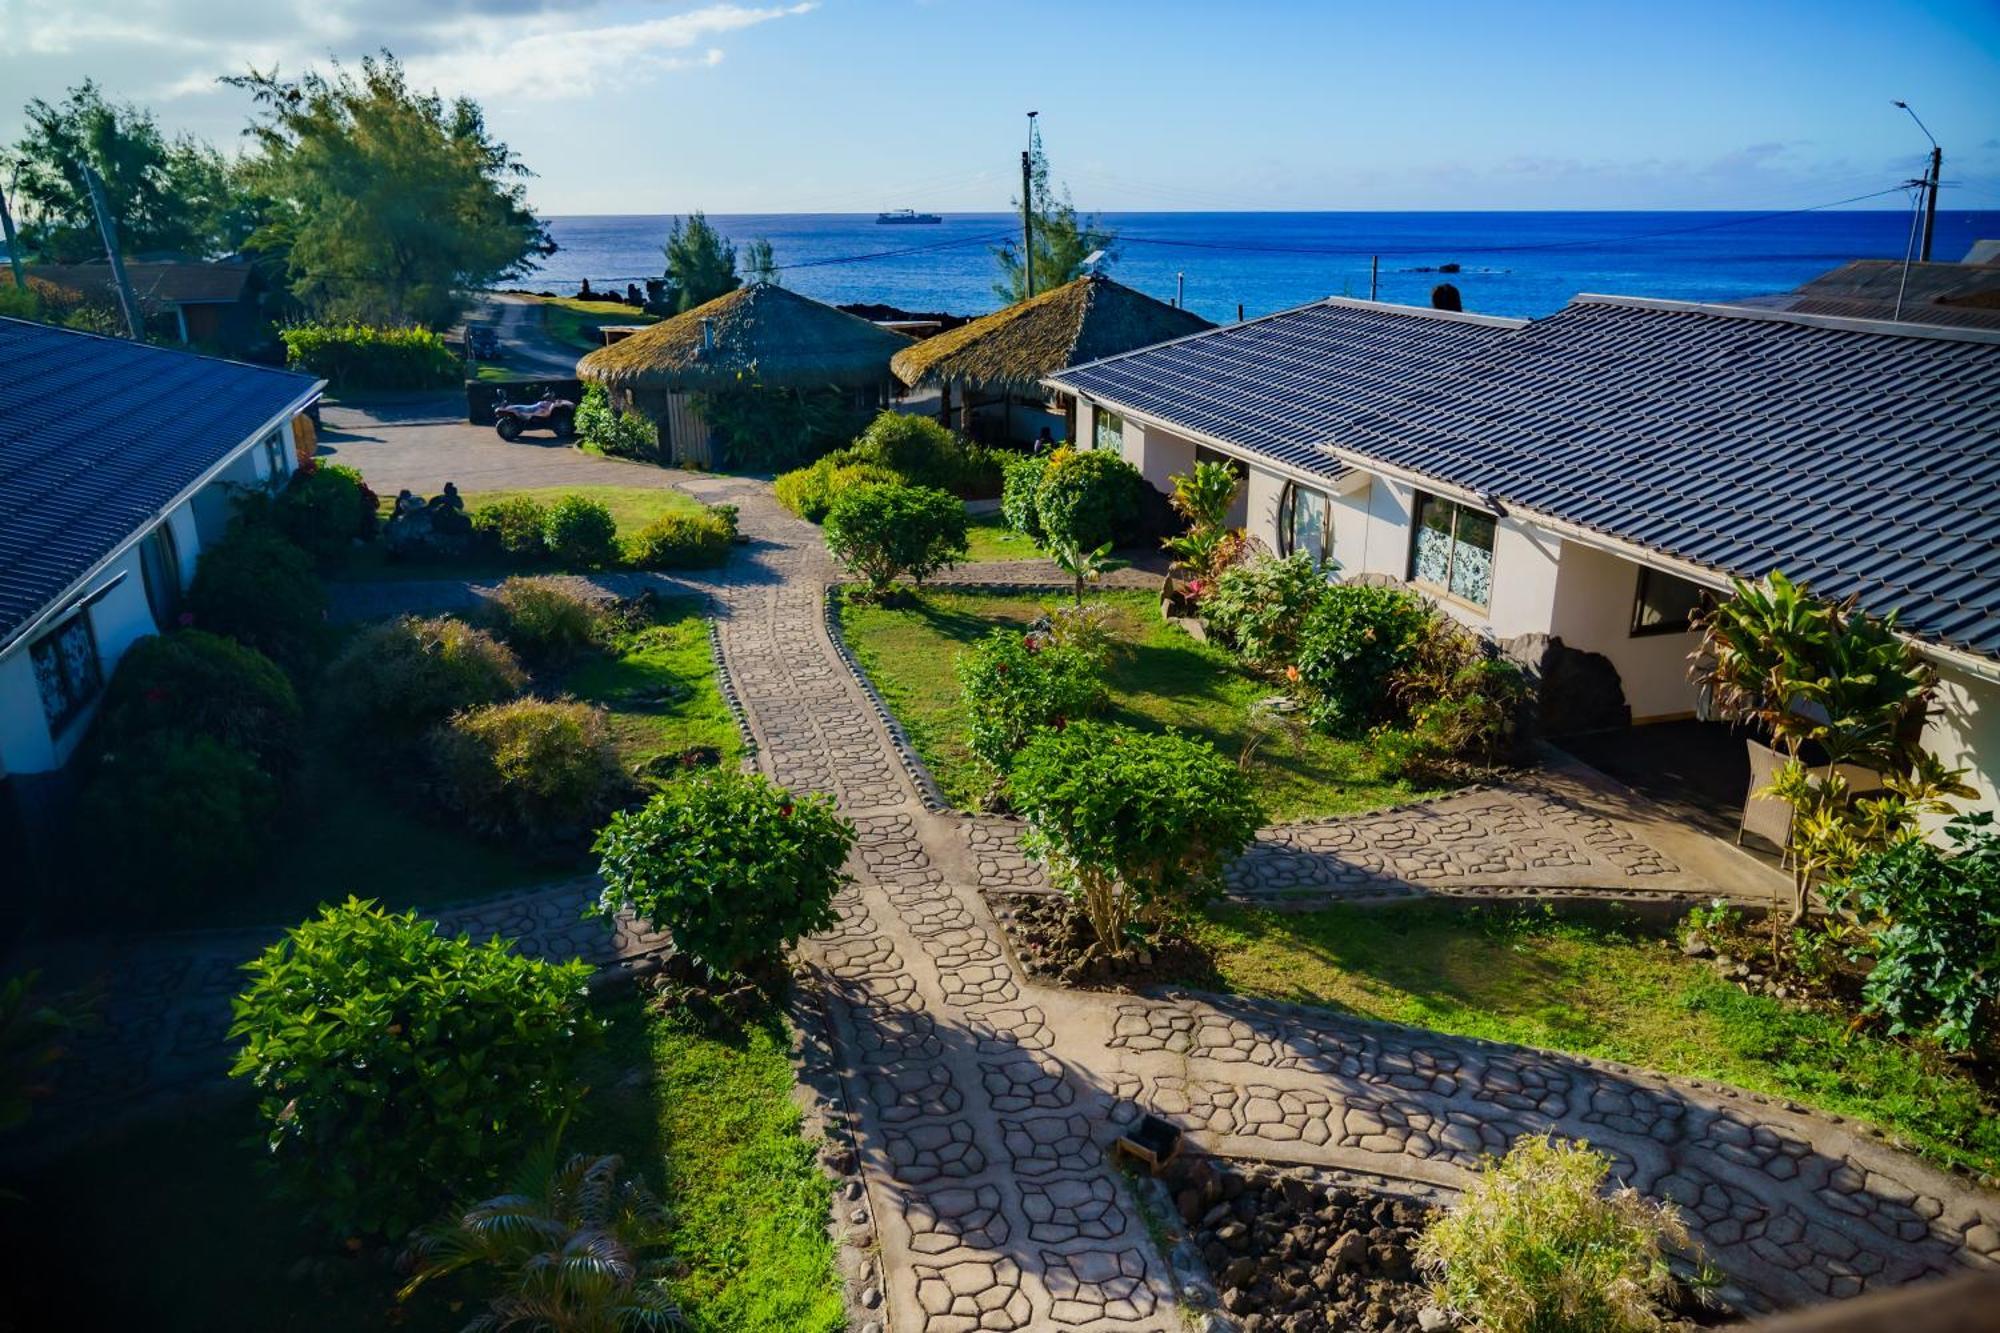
(674, 652)
(632, 507)
(1163, 679)
(1598, 986)
(991, 539)
(575, 322)
(182, 1211)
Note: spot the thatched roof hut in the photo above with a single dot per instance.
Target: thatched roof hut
(758, 335)
(1009, 351)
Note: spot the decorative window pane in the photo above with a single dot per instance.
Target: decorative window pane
(1453, 549)
(65, 661)
(1664, 604)
(1107, 431)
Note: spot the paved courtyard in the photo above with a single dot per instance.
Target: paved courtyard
(982, 1105)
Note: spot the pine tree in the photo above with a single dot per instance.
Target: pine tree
(1062, 239)
(701, 264)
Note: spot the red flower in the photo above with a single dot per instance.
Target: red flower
(785, 810)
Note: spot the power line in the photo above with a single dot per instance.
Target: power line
(984, 238)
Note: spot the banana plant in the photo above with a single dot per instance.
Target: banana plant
(1081, 565)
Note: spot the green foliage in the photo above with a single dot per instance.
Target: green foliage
(368, 356)
(811, 490)
(31, 1031)
(575, 1246)
(1203, 497)
(1461, 708)
(1350, 645)
(528, 769)
(684, 541)
(397, 679)
(619, 434)
(580, 531)
(924, 452)
(1062, 240)
(1083, 565)
(770, 429)
(701, 264)
(177, 195)
(1087, 498)
(1134, 825)
(324, 509)
(395, 1065)
(734, 867)
(260, 589)
(1021, 481)
(1014, 686)
(760, 263)
(515, 524)
(1259, 607)
(1536, 1245)
(1937, 937)
(387, 204)
(884, 532)
(175, 819)
(545, 621)
(192, 681)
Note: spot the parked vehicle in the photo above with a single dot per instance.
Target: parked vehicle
(482, 343)
(550, 413)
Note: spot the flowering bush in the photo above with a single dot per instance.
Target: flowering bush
(325, 508)
(1350, 644)
(1087, 498)
(200, 683)
(528, 768)
(1258, 608)
(734, 867)
(396, 1067)
(1133, 825)
(1014, 685)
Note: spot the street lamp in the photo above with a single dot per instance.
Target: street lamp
(1930, 182)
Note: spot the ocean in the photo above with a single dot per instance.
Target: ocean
(1510, 263)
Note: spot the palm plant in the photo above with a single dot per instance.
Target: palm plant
(575, 1245)
(1203, 497)
(1080, 564)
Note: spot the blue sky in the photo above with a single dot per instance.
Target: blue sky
(852, 105)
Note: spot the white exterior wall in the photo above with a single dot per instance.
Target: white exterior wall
(1159, 455)
(1964, 731)
(1595, 593)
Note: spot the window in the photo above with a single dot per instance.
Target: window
(65, 661)
(1453, 549)
(274, 456)
(1665, 604)
(160, 562)
(1107, 431)
(1303, 524)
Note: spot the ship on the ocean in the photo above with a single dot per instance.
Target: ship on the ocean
(902, 217)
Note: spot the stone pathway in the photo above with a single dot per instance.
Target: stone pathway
(982, 1106)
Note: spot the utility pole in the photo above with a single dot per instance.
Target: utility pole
(109, 229)
(1180, 291)
(1028, 208)
(1930, 182)
(1374, 275)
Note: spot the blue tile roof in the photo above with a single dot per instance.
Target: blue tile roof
(97, 435)
(1281, 385)
(1861, 457)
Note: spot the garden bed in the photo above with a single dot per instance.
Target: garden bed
(1161, 678)
(203, 1244)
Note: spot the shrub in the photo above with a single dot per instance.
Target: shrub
(884, 532)
(516, 525)
(1471, 721)
(1259, 607)
(262, 590)
(396, 1065)
(1014, 685)
(683, 541)
(399, 678)
(734, 867)
(325, 508)
(925, 452)
(1937, 944)
(1350, 645)
(1087, 498)
(619, 434)
(581, 531)
(1534, 1245)
(810, 491)
(1082, 627)
(528, 768)
(546, 621)
(1134, 825)
(203, 684)
(1021, 479)
(188, 818)
(771, 429)
(364, 356)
